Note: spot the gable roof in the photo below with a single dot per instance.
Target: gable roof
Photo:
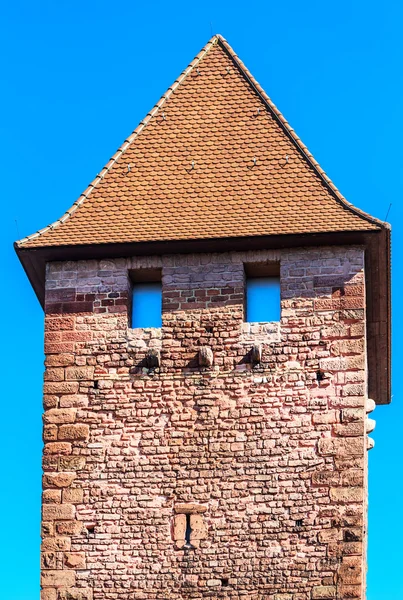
(213, 159)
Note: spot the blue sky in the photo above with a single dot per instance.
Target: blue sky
(77, 77)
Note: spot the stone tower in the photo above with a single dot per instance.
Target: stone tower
(218, 455)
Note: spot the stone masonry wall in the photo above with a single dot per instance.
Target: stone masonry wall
(267, 463)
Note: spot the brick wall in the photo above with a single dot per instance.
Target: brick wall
(269, 461)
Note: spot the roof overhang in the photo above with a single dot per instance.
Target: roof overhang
(377, 273)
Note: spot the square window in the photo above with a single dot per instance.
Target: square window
(262, 294)
(146, 299)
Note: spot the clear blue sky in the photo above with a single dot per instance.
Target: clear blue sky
(77, 77)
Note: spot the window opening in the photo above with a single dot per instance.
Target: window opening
(146, 298)
(263, 302)
(188, 532)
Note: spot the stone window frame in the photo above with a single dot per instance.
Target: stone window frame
(189, 526)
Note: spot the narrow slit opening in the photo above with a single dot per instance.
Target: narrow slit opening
(188, 532)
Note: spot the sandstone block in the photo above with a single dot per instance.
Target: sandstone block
(50, 433)
(179, 530)
(71, 463)
(350, 570)
(57, 448)
(323, 592)
(340, 447)
(78, 431)
(58, 512)
(54, 374)
(189, 508)
(213, 582)
(325, 418)
(59, 360)
(352, 592)
(346, 495)
(56, 544)
(198, 528)
(349, 429)
(48, 594)
(52, 496)
(69, 528)
(48, 560)
(50, 401)
(60, 387)
(325, 478)
(73, 495)
(80, 373)
(75, 594)
(58, 578)
(350, 415)
(329, 535)
(60, 415)
(59, 480)
(74, 560)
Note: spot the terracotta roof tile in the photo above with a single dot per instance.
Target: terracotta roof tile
(213, 159)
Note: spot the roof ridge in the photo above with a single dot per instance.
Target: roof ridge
(128, 141)
(295, 138)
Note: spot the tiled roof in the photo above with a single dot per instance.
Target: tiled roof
(213, 159)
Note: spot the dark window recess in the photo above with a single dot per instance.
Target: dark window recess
(146, 298)
(96, 384)
(224, 582)
(188, 532)
(263, 303)
(320, 375)
(299, 523)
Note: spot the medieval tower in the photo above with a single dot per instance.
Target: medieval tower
(215, 444)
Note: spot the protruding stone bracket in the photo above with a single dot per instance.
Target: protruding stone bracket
(206, 357)
(370, 423)
(369, 405)
(256, 354)
(153, 359)
(370, 443)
